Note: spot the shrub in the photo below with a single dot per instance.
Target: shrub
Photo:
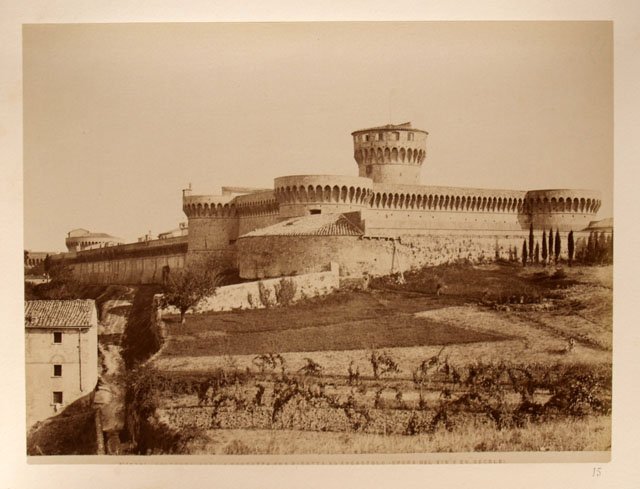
(269, 361)
(382, 363)
(559, 274)
(150, 435)
(311, 368)
(285, 291)
(265, 295)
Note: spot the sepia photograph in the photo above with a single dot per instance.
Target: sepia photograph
(319, 241)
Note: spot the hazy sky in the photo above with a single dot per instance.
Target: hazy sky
(118, 118)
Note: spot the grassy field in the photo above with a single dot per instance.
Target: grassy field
(500, 313)
(592, 434)
(412, 323)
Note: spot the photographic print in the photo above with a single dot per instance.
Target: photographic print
(370, 241)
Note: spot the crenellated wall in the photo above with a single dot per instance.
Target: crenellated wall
(216, 221)
(302, 195)
(562, 209)
(443, 218)
(390, 154)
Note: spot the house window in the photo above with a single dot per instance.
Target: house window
(410, 136)
(57, 397)
(396, 136)
(380, 136)
(57, 370)
(57, 337)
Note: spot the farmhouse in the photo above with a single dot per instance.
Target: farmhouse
(61, 350)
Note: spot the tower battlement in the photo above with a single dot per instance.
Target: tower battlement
(391, 153)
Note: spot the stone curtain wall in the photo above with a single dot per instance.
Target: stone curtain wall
(273, 256)
(127, 271)
(248, 295)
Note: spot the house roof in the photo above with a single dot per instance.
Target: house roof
(59, 314)
(313, 225)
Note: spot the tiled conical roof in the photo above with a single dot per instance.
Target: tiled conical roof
(314, 225)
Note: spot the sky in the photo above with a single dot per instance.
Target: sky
(118, 118)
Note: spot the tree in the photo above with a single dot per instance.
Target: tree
(524, 253)
(536, 254)
(556, 248)
(602, 248)
(610, 248)
(531, 242)
(47, 264)
(544, 247)
(550, 244)
(185, 288)
(590, 249)
(570, 247)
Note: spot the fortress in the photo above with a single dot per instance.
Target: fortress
(379, 222)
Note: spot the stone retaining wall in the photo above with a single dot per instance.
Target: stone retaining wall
(253, 295)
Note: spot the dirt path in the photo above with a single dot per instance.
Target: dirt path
(111, 389)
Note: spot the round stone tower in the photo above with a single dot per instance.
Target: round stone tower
(391, 153)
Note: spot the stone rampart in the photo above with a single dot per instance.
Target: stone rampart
(127, 271)
(273, 256)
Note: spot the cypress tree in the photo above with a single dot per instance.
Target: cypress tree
(550, 243)
(544, 248)
(556, 248)
(570, 247)
(611, 246)
(536, 255)
(603, 247)
(590, 253)
(524, 253)
(531, 242)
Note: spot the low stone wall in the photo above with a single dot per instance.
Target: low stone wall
(265, 293)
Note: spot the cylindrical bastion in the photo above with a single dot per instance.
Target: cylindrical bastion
(301, 195)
